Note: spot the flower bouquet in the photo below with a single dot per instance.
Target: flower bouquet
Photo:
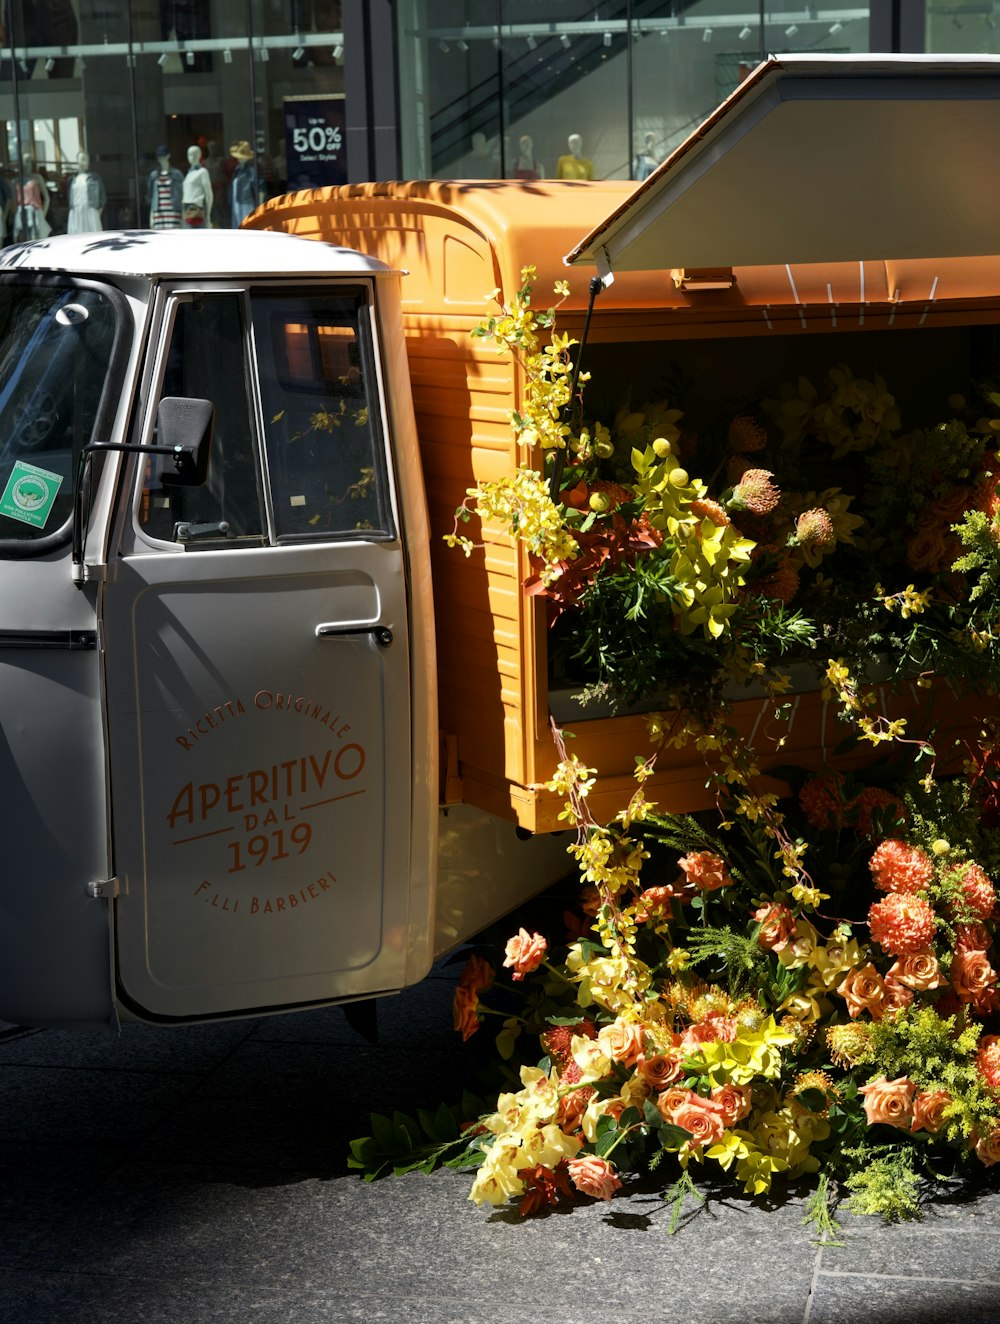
(782, 987)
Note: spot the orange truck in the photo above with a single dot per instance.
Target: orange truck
(269, 743)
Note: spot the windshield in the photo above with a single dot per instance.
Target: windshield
(55, 350)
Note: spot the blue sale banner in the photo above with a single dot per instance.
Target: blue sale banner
(315, 141)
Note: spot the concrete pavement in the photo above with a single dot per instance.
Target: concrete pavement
(198, 1176)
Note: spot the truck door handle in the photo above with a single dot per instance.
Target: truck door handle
(383, 635)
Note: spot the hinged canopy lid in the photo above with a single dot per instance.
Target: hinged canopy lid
(824, 159)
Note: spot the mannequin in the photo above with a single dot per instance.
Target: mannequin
(526, 167)
(484, 159)
(574, 165)
(166, 186)
(244, 185)
(196, 195)
(87, 198)
(31, 216)
(646, 161)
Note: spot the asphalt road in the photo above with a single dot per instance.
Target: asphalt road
(188, 1176)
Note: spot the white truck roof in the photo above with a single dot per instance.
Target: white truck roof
(189, 253)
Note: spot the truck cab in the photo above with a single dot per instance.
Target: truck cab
(217, 696)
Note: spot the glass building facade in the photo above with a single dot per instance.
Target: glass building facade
(186, 113)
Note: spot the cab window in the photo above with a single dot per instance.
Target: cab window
(320, 416)
(207, 359)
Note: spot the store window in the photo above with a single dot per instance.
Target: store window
(521, 89)
(172, 113)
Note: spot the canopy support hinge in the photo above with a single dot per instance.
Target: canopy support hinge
(103, 889)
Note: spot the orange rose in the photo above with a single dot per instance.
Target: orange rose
(919, 971)
(703, 1121)
(524, 953)
(987, 1148)
(622, 1041)
(863, 990)
(889, 1101)
(928, 1110)
(661, 1069)
(972, 976)
(777, 926)
(478, 974)
(670, 1102)
(732, 1101)
(593, 1176)
(897, 995)
(465, 1011)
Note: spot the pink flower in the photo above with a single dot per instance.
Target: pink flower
(525, 952)
(988, 1060)
(897, 995)
(897, 867)
(755, 492)
(593, 1176)
(705, 870)
(777, 926)
(889, 1101)
(978, 891)
(814, 528)
(928, 1110)
(902, 924)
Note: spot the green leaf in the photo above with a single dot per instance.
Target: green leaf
(447, 1127)
(651, 1114)
(672, 1137)
(629, 1117)
(505, 1044)
(383, 1132)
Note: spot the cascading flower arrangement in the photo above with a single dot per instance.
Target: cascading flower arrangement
(787, 987)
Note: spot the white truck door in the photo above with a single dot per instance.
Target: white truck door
(257, 670)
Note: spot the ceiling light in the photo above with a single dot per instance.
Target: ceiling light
(298, 53)
(189, 57)
(745, 31)
(564, 41)
(530, 39)
(227, 56)
(707, 35)
(497, 44)
(607, 38)
(265, 55)
(835, 28)
(50, 64)
(791, 30)
(161, 59)
(462, 45)
(338, 51)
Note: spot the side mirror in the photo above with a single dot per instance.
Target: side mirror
(184, 430)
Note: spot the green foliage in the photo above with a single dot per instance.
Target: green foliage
(885, 1184)
(938, 1052)
(745, 963)
(682, 1189)
(820, 1209)
(982, 557)
(400, 1143)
